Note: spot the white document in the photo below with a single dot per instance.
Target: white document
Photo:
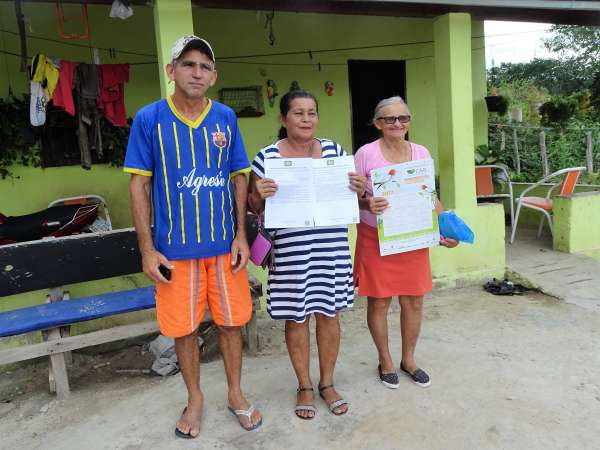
(410, 222)
(310, 192)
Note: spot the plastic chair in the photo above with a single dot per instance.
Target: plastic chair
(484, 186)
(99, 225)
(544, 204)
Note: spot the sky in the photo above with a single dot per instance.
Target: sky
(514, 42)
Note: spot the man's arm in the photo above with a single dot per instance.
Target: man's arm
(239, 247)
(139, 188)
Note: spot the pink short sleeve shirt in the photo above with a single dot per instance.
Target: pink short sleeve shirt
(370, 157)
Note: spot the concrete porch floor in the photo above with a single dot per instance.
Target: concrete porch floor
(574, 278)
(507, 373)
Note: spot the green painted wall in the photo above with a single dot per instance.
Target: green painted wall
(484, 259)
(304, 32)
(577, 223)
(34, 188)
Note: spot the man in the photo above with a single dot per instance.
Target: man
(186, 156)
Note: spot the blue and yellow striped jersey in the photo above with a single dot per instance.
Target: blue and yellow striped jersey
(191, 165)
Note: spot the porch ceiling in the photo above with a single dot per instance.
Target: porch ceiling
(569, 12)
(586, 12)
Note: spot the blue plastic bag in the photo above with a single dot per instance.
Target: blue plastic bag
(453, 227)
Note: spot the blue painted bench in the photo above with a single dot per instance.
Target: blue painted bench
(59, 314)
(29, 266)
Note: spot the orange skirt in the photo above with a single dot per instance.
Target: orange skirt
(379, 276)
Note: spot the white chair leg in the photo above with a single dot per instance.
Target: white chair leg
(550, 224)
(541, 226)
(514, 227)
(512, 214)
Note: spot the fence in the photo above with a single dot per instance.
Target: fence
(533, 152)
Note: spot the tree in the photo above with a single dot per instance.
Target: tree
(578, 44)
(558, 77)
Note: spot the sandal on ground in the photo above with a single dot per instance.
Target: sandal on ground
(334, 404)
(302, 408)
(389, 380)
(181, 434)
(247, 413)
(419, 376)
(505, 287)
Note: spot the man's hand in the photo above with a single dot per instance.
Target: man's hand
(377, 205)
(240, 252)
(151, 259)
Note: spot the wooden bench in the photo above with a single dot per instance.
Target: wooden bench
(52, 263)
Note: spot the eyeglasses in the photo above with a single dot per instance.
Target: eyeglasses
(391, 120)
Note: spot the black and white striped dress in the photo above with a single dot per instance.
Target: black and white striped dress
(313, 269)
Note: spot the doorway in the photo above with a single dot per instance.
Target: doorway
(370, 82)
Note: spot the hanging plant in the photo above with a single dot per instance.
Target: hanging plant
(558, 111)
(497, 104)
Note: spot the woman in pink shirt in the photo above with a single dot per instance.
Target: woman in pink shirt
(405, 275)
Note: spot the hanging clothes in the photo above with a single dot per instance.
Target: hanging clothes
(44, 72)
(112, 92)
(37, 106)
(44, 77)
(63, 95)
(87, 92)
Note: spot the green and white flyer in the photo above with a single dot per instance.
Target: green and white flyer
(410, 221)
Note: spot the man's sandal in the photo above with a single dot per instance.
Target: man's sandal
(248, 413)
(181, 434)
(302, 408)
(334, 404)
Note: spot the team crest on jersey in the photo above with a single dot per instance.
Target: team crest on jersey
(219, 139)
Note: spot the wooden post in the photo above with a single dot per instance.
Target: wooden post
(589, 155)
(66, 332)
(58, 377)
(516, 145)
(544, 153)
(22, 36)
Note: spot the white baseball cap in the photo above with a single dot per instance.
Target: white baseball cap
(188, 42)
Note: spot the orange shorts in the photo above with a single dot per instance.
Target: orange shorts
(181, 304)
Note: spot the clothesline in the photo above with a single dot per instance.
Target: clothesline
(308, 52)
(74, 44)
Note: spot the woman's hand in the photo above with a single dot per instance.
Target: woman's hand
(447, 242)
(266, 187)
(358, 183)
(377, 205)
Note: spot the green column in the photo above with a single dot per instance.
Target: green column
(480, 114)
(454, 92)
(172, 19)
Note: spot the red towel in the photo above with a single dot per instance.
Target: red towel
(63, 94)
(112, 92)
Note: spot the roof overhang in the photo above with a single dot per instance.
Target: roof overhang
(571, 12)
(545, 11)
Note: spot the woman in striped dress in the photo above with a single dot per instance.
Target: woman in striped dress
(312, 274)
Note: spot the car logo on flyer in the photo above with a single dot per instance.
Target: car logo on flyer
(219, 139)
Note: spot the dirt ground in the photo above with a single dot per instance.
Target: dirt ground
(507, 373)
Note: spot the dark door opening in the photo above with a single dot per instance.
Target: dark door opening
(370, 82)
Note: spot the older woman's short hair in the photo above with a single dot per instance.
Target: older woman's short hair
(387, 102)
